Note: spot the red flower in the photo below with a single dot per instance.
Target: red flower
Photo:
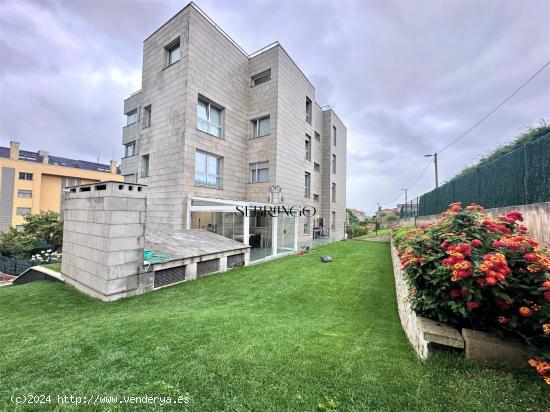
(497, 244)
(531, 257)
(472, 304)
(464, 291)
(455, 207)
(503, 320)
(490, 280)
(525, 311)
(514, 214)
(547, 296)
(522, 229)
(502, 304)
(476, 242)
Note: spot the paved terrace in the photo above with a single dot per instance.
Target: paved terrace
(184, 244)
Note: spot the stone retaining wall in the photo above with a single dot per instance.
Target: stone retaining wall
(410, 322)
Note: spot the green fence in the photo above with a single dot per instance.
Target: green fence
(11, 266)
(516, 178)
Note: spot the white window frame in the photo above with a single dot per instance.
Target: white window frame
(334, 135)
(208, 120)
(133, 115)
(145, 165)
(316, 167)
(130, 145)
(19, 209)
(254, 172)
(333, 163)
(171, 48)
(333, 192)
(307, 184)
(206, 172)
(255, 127)
(309, 110)
(147, 116)
(333, 221)
(307, 147)
(25, 176)
(24, 194)
(315, 197)
(317, 136)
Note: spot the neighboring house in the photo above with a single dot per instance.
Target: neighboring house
(31, 182)
(359, 215)
(214, 127)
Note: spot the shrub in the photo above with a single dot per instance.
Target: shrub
(474, 271)
(359, 230)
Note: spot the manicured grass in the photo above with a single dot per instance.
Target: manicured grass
(53, 266)
(291, 334)
(381, 232)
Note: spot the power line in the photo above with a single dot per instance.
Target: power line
(496, 108)
(474, 126)
(411, 186)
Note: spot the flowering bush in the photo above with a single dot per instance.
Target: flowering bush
(479, 272)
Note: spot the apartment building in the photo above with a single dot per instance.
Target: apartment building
(31, 182)
(214, 127)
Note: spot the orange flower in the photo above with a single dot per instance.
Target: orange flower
(546, 328)
(525, 311)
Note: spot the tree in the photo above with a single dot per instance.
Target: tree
(45, 227)
(42, 228)
(17, 245)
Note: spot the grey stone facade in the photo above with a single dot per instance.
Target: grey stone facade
(215, 67)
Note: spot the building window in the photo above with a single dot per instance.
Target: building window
(308, 110)
(333, 163)
(317, 137)
(316, 167)
(130, 149)
(26, 194)
(315, 198)
(173, 53)
(260, 127)
(131, 118)
(260, 78)
(207, 170)
(23, 211)
(259, 172)
(307, 185)
(209, 118)
(333, 221)
(308, 147)
(145, 166)
(334, 135)
(146, 116)
(333, 194)
(25, 176)
(20, 228)
(306, 224)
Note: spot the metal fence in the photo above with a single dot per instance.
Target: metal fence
(409, 209)
(11, 266)
(519, 177)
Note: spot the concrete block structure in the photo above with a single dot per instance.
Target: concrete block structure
(214, 127)
(104, 238)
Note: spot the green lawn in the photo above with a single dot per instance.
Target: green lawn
(53, 266)
(291, 334)
(381, 232)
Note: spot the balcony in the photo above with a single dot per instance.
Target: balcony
(130, 133)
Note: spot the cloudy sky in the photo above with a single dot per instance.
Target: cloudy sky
(406, 77)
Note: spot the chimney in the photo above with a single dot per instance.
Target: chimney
(113, 167)
(14, 150)
(44, 155)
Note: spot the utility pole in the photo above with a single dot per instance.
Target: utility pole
(435, 165)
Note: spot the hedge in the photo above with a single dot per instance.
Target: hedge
(519, 177)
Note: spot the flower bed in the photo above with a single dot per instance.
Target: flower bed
(475, 272)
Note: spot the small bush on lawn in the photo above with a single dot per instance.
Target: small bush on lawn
(477, 272)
